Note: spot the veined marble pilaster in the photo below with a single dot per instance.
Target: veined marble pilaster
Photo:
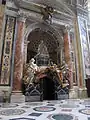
(19, 55)
(67, 56)
(7, 50)
(78, 57)
(2, 9)
(82, 24)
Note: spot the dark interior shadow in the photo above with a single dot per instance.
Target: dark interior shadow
(48, 89)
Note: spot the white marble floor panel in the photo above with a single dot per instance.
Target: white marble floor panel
(47, 110)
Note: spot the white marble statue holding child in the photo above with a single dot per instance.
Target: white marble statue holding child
(31, 69)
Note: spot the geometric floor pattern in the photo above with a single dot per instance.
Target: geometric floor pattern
(85, 111)
(8, 105)
(62, 116)
(78, 109)
(9, 112)
(44, 109)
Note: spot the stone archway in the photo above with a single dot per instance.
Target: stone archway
(35, 34)
(38, 32)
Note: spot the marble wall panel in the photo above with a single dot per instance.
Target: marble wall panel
(7, 50)
(84, 45)
(2, 9)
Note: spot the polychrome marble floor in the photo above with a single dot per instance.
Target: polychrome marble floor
(47, 110)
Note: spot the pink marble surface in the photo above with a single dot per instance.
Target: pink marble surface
(67, 57)
(18, 68)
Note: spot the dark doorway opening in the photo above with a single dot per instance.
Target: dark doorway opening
(48, 89)
(3, 2)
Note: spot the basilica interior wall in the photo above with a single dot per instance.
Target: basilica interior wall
(30, 49)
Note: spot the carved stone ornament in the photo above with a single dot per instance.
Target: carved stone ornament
(29, 14)
(22, 16)
(47, 13)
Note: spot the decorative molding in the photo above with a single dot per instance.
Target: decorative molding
(21, 18)
(38, 17)
(10, 13)
(47, 12)
(10, 5)
(29, 14)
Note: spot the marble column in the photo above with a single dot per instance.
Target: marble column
(67, 55)
(19, 55)
(80, 72)
(78, 56)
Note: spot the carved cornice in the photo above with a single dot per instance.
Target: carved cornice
(17, 2)
(38, 6)
(38, 17)
(11, 9)
(32, 11)
(29, 14)
(58, 17)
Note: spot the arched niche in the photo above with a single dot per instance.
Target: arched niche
(38, 32)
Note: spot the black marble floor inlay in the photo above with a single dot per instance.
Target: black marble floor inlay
(50, 105)
(25, 107)
(22, 119)
(87, 106)
(85, 111)
(60, 117)
(35, 114)
(88, 118)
